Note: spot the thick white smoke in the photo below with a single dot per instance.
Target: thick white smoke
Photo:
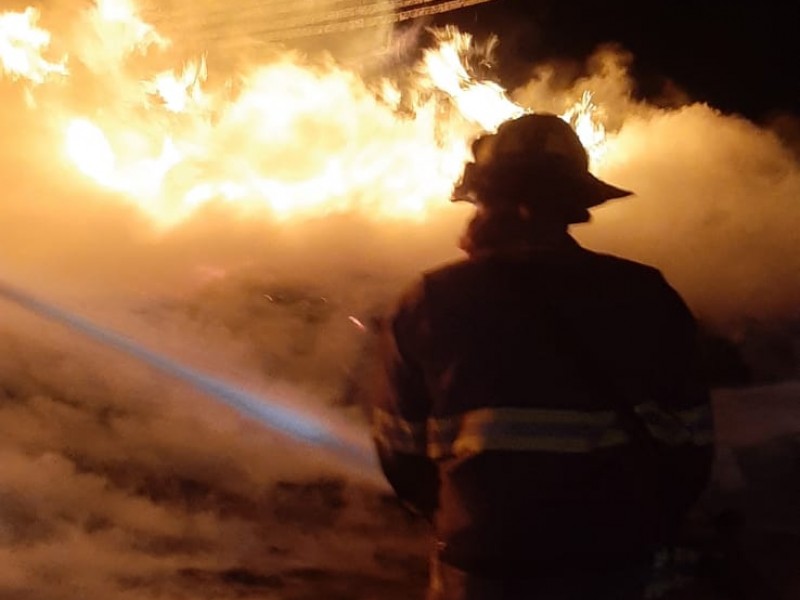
(717, 203)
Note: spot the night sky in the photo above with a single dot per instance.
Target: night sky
(738, 57)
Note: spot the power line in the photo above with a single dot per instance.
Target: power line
(272, 35)
(275, 21)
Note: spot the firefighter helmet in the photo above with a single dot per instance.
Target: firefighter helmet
(535, 160)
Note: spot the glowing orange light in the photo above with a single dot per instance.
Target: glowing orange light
(22, 43)
(582, 116)
(290, 139)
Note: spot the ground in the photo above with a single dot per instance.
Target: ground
(115, 487)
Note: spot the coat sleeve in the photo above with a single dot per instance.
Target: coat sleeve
(683, 391)
(402, 406)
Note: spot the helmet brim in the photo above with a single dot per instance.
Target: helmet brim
(583, 189)
(598, 191)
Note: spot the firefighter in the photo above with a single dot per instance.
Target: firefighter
(543, 404)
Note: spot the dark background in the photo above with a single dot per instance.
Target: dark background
(739, 57)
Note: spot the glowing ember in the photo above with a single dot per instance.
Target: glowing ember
(357, 322)
(94, 156)
(288, 138)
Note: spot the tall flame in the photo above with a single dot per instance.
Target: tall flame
(582, 116)
(287, 138)
(483, 102)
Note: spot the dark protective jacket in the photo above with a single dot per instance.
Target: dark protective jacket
(499, 418)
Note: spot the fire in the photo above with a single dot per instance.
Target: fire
(21, 46)
(289, 138)
(179, 92)
(91, 152)
(95, 157)
(121, 29)
(483, 102)
(583, 118)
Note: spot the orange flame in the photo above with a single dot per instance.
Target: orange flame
(21, 46)
(290, 139)
(483, 102)
(178, 92)
(583, 118)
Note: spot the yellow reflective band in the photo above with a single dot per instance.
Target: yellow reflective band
(523, 429)
(663, 425)
(467, 445)
(601, 418)
(687, 426)
(536, 429)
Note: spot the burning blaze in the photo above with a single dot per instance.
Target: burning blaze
(21, 46)
(94, 156)
(482, 102)
(180, 92)
(583, 118)
(289, 138)
(119, 32)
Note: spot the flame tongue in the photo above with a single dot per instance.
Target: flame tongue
(180, 92)
(582, 117)
(22, 43)
(287, 138)
(482, 102)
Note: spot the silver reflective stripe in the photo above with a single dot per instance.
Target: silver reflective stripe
(536, 429)
(523, 429)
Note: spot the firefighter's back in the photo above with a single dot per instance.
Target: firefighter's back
(535, 467)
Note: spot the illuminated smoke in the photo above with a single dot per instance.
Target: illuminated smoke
(716, 203)
(305, 429)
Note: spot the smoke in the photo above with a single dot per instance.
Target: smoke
(717, 203)
(117, 483)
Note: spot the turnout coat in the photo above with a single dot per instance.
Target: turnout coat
(500, 421)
